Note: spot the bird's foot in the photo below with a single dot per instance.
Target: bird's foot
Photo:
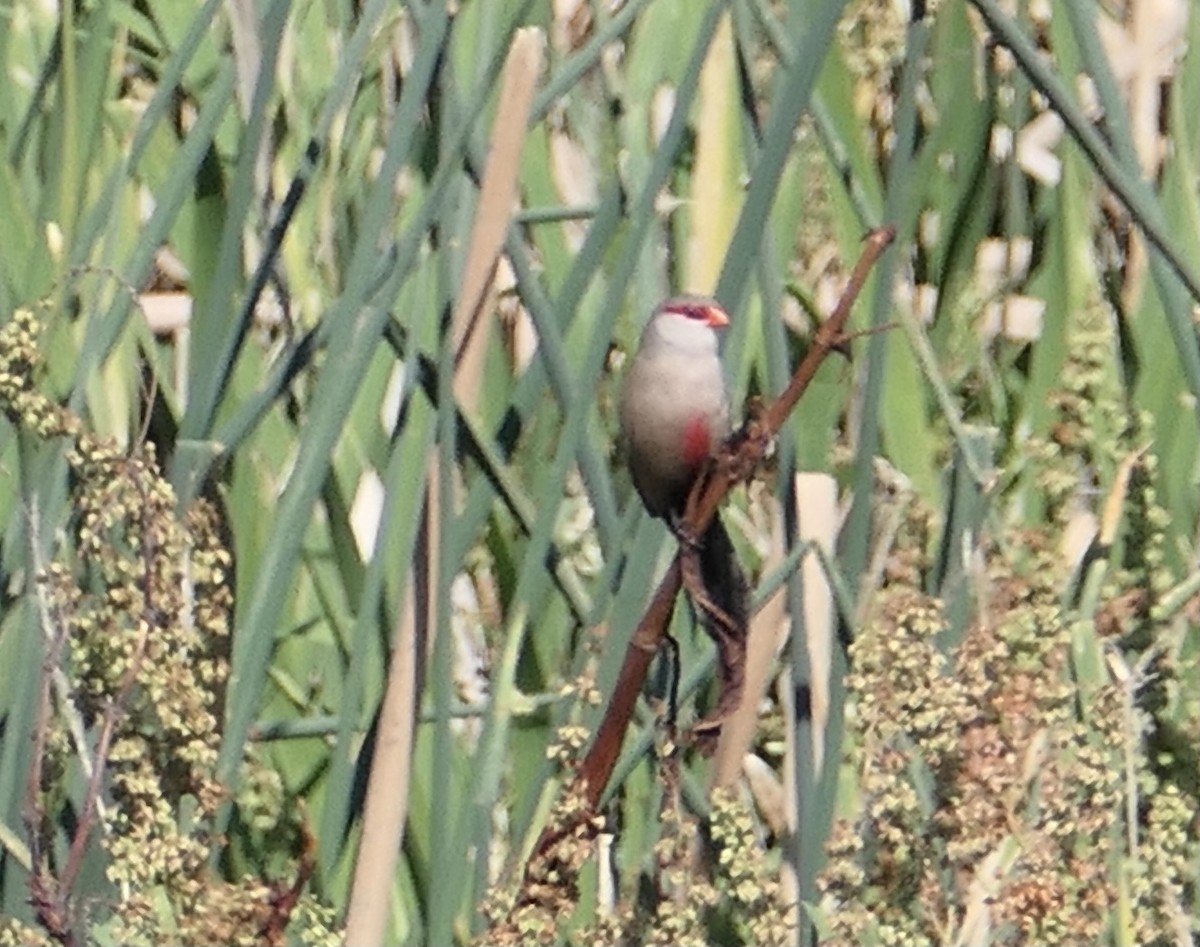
(704, 733)
(746, 447)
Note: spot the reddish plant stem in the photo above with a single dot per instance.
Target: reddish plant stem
(738, 462)
(602, 757)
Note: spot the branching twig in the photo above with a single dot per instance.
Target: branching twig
(285, 899)
(737, 462)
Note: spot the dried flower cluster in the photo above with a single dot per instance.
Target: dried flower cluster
(683, 896)
(535, 913)
(136, 608)
(737, 888)
(1009, 789)
(872, 35)
(987, 793)
(746, 878)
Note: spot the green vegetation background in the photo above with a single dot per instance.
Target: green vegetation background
(1014, 452)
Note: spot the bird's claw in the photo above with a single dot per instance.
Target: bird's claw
(745, 448)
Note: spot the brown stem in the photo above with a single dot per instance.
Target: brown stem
(831, 332)
(738, 461)
(602, 756)
(273, 930)
(90, 802)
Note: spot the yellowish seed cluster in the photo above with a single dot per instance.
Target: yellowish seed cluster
(549, 892)
(141, 600)
(747, 877)
(988, 782)
(27, 408)
(678, 915)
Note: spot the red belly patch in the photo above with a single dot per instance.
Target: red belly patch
(697, 441)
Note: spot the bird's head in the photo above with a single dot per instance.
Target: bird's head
(687, 324)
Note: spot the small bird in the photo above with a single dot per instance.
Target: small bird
(674, 414)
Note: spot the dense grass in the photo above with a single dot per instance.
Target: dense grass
(1013, 445)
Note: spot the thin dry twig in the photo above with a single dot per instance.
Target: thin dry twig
(285, 898)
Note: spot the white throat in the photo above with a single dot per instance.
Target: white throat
(681, 335)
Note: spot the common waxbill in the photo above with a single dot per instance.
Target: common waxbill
(674, 414)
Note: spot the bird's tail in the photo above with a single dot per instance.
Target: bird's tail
(727, 588)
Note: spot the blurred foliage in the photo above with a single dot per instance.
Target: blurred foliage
(238, 231)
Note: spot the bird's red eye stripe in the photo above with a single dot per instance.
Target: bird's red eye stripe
(692, 311)
(708, 313)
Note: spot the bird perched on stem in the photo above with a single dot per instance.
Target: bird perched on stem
(674, 416)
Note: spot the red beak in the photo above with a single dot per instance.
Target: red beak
(698, 309)
(715, 317)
